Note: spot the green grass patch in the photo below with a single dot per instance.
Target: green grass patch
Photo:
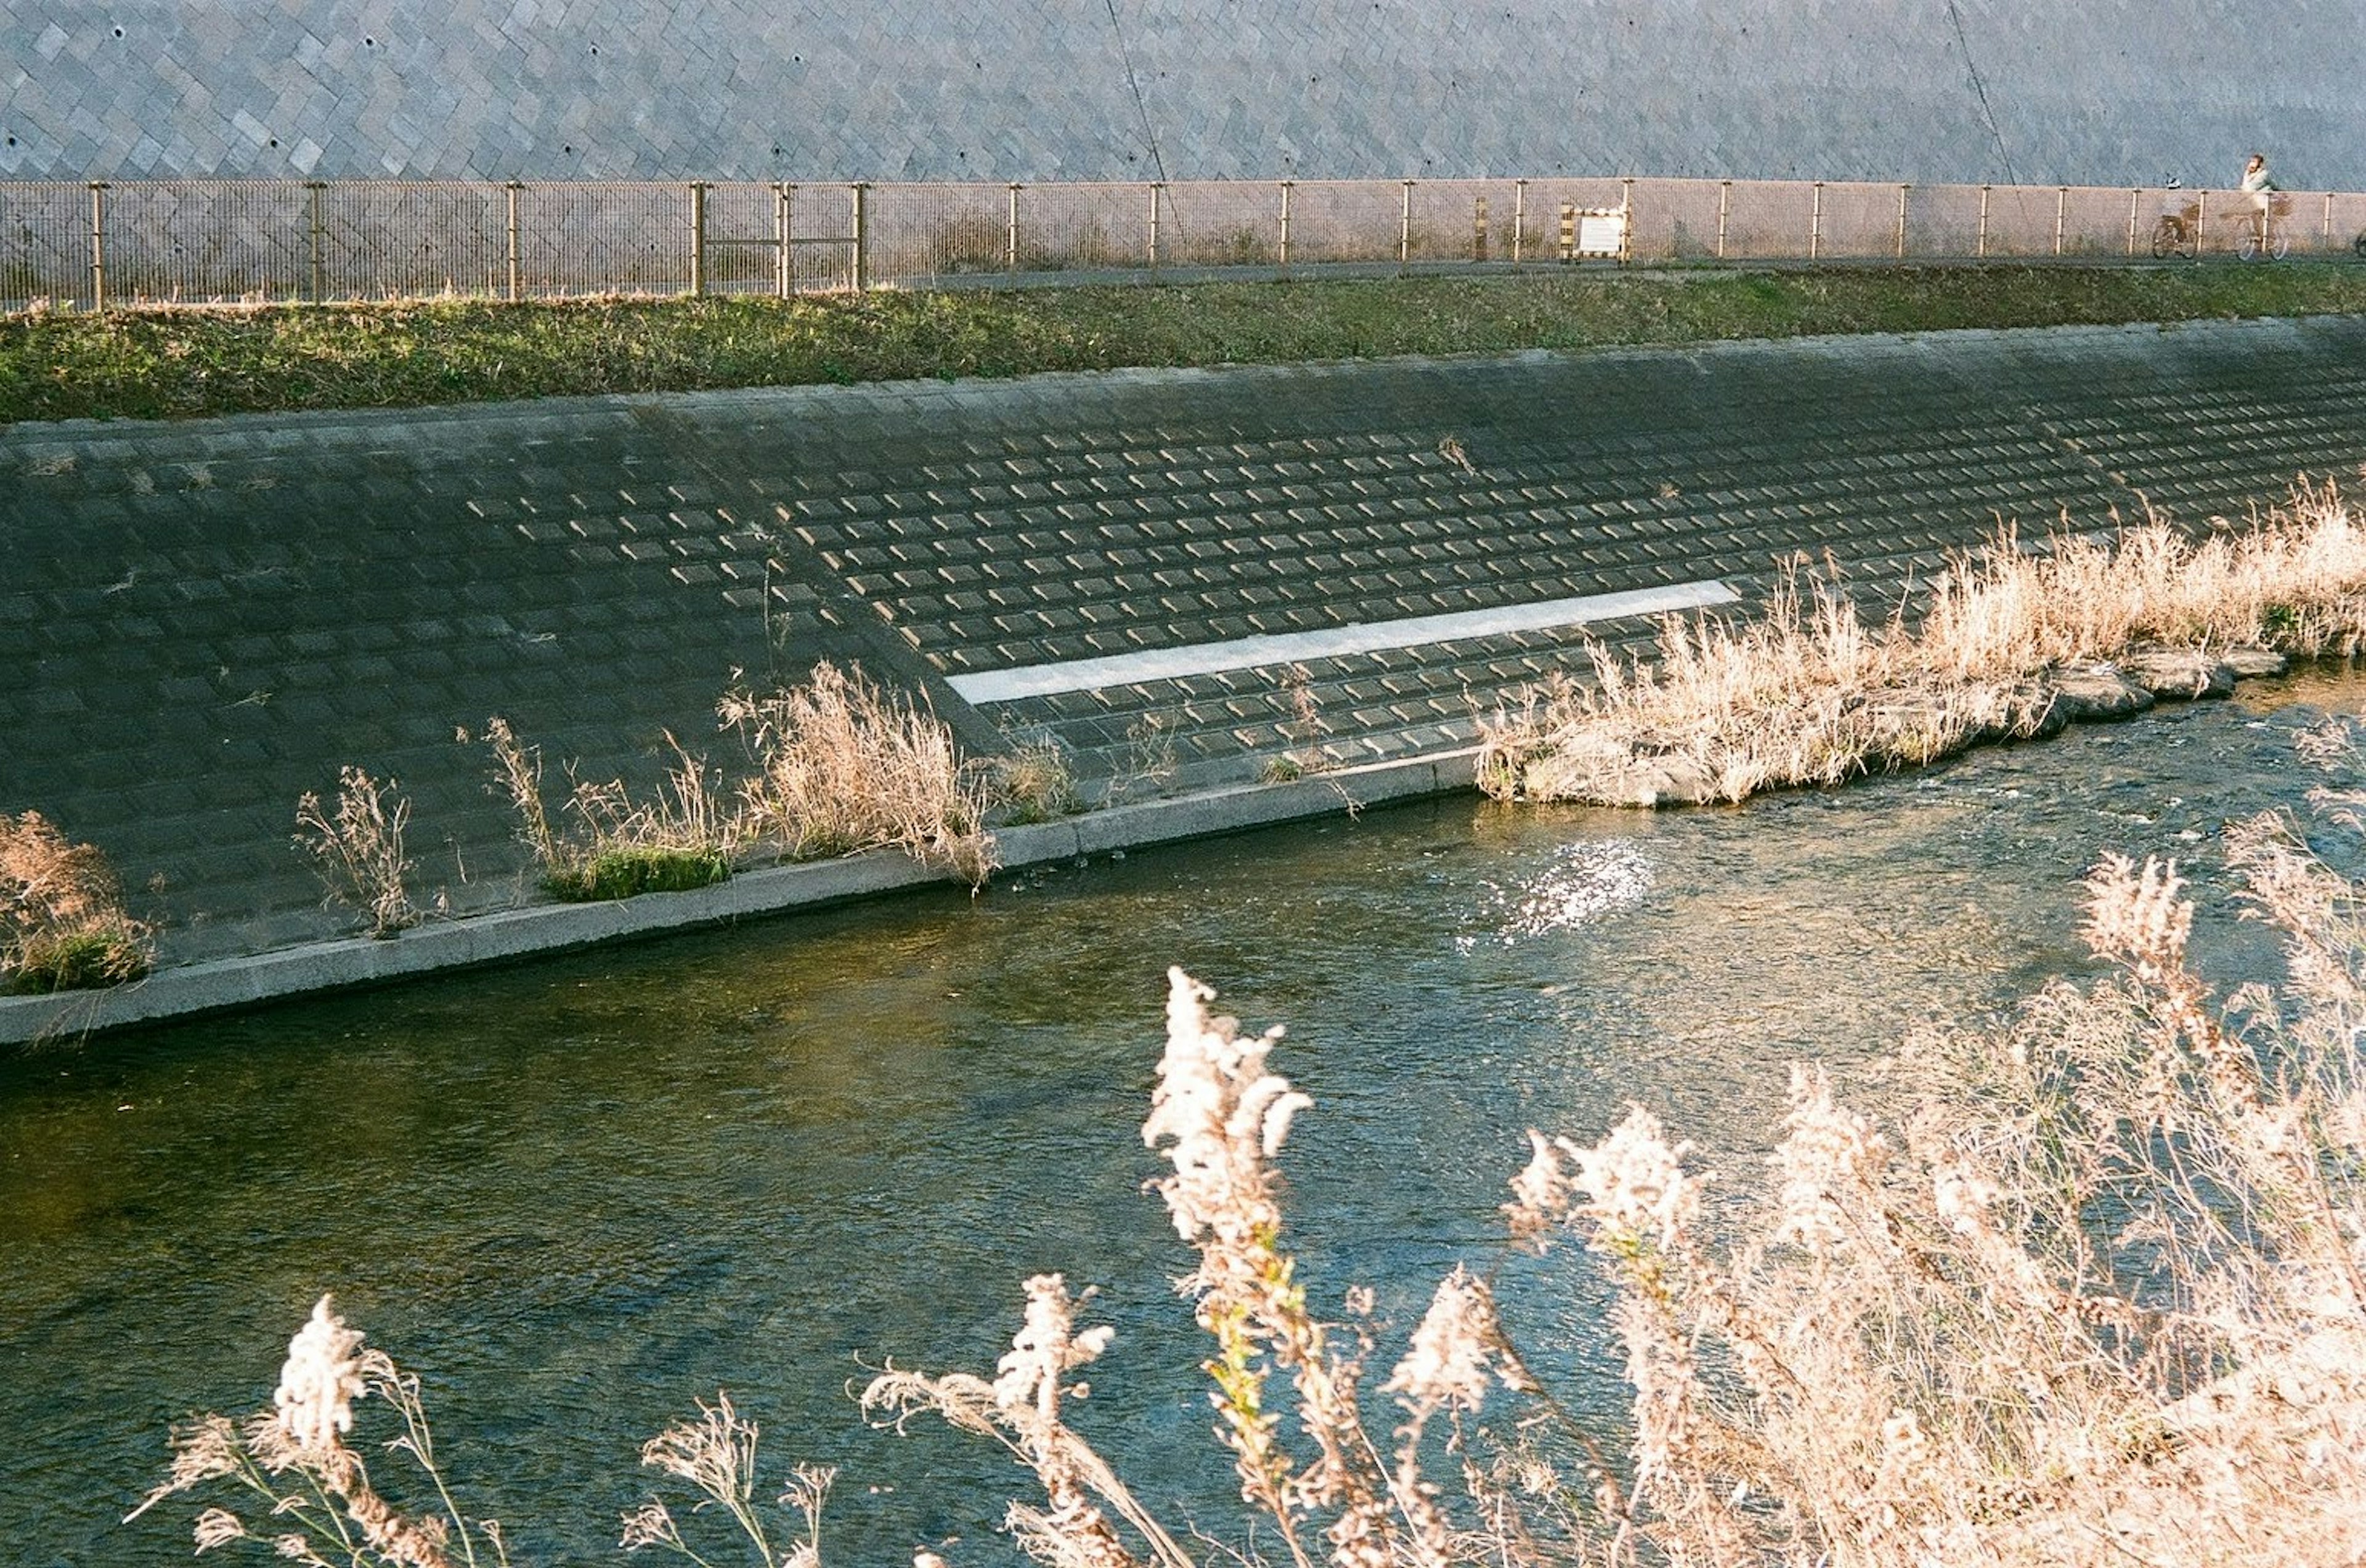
(77, 961)
(627, 871)
(165, 363)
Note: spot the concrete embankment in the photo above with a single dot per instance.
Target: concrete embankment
(1179, 576)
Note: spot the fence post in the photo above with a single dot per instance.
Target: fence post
(1155, 188)
(1010, 234)
(1724, 204)
(2327, 243)
(861, 235)
(698, 236)
(1285, 225)
(314, 190)
(1405, 227)
(1983, 253)
(98, 245)
(1626, 220)
(784, 273)
(1902, 189)
(1519, 217)
(1479, 228)
(517, 290)
(2061, 211)
(2134, 196)
(1816, 222)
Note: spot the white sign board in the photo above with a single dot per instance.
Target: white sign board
(1602, 234)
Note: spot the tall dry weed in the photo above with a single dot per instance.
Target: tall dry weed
(1807, 694)
(841, 765)
(355, 848)
(62, 924)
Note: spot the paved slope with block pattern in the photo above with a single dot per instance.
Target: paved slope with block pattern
(199, 622)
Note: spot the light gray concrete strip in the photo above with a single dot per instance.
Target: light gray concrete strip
(1330, 642)
(219, 986)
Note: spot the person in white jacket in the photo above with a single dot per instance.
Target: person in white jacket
(2260, 188)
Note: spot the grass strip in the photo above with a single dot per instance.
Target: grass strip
(170, 362)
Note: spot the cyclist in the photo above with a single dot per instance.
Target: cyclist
(2260, 188)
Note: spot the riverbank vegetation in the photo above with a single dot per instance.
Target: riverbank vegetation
(2009, 643)
(2097, 1295)
(836, 765)
(62, 924)
(166, 362)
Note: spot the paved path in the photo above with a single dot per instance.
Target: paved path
(200, 621)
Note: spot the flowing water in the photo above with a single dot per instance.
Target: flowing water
(579, 1195)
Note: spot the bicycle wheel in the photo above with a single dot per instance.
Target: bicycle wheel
(2358, 245)
(2247, 241)
(2167, 237)
(2279, 242)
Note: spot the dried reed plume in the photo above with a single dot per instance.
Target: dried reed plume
(1807, 694)
(356, 848)
(842, 766)
(312, 1494)
(63, 925)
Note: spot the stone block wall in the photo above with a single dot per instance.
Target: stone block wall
(2098, 92)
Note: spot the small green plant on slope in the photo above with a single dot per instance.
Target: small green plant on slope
(356, 848)
(62, 924)
(1033, 781)
(841, 766)
(618, 847)
(1304, 731)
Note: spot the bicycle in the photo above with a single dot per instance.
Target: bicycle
(2177, 230)
(2264, 234)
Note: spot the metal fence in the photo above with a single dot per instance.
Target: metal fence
(211, 241)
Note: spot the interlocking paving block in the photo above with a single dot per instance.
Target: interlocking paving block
(184, 659)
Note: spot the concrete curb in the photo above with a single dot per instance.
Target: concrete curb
(226, 984)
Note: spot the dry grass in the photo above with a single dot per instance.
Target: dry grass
(841, 765)
(1807, 694)
(356, 848)
(62, 924)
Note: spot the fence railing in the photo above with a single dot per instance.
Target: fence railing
(204, 240)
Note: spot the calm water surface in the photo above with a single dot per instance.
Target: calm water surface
(578, 1195)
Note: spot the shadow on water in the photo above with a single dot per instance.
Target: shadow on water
(577, 1195)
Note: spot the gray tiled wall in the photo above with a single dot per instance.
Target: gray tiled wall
(2077, 91)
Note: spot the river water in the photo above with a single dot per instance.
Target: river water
(578, 1195)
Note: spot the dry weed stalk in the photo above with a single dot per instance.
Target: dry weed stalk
(843, 766)
(1807, 694)
(357, 849)
(317, 1504)
(62, 924)
(717, 1454)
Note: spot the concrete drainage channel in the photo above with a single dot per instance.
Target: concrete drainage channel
(226, 984)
